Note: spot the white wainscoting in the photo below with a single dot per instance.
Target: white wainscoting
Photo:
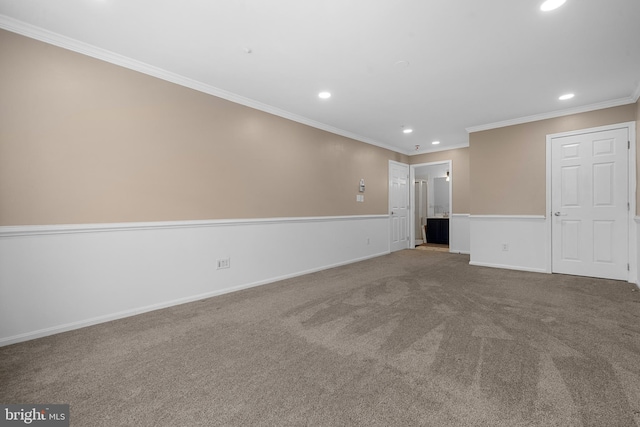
(524, 235)
(459, 235)
(59, 278)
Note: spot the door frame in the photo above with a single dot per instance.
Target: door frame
(412, 197)
(415, 205)
(633, 235)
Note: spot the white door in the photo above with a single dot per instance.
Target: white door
(399, 205)
(590, 221)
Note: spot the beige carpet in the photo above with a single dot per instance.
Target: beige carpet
(412, 338)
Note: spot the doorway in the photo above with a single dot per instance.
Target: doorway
(431, 198)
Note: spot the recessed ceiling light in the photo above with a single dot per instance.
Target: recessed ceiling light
(324, 95)
(566, 96)
(551, 5)
(436, 142)
(407, 130)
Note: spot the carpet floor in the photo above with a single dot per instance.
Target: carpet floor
(407, 339)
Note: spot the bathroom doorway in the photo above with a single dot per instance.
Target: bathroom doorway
(431, 201)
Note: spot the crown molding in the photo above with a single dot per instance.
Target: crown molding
(636, 94)
(438, 149)
(46, 36)
(554, 114)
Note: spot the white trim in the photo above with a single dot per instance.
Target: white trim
(120, 315)
(398, 163)
(547, 249)
(636, 94)
(37, 33)
(507, 267)
(633, 240)
(633, 229)
(461, 214)
(37, 230)
(438, 148)
(554, 114)
(514, 217)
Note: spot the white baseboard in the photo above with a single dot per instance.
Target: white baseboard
(508, 267)
(84, 275)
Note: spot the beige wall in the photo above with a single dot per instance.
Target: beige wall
(508, 171)
(459, 170)
(84, 141)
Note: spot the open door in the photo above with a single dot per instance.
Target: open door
(399, 206)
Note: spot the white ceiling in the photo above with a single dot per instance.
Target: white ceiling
(471, 63)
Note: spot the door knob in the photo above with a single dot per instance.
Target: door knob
(559, 214)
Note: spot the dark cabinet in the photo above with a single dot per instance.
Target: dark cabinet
(438, 230)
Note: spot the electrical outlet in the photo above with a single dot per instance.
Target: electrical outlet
(505, 247)
(224, 263)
